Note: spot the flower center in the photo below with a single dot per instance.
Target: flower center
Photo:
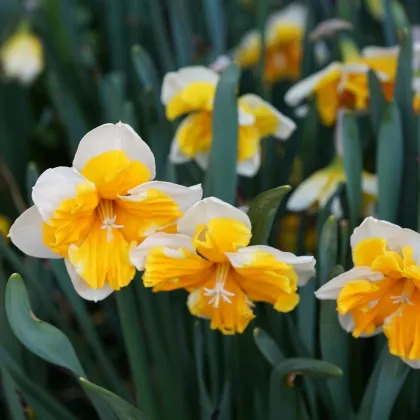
(108, 218)
(219, 292)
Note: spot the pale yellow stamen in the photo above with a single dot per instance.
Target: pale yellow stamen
(108, 218)
(219, 291)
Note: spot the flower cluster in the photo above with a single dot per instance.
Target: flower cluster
(106, 216)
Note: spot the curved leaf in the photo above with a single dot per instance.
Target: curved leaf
(268, 347)
(43, 339)
(262, 212)
(121, 408)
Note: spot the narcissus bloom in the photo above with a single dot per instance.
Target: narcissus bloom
(22, 57)
(192, 90)
(345, 85)
(382, 291)
(93, 213)
(210, 258)
(284, 33)
(320, 187)
(335, 87)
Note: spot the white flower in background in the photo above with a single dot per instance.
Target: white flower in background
(93, 213)
(191, 90)
(22, 56)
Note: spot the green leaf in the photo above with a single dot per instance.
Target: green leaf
(268, 347)
(334, 341)
(11, 397)
(121, 408)
(221, 179)
(112, 97)
(45, 407)
(181, 31)
(377, 101)
(285, 400)
(262, 212)
(40, 338)
(215, 20)
(91, 333)
(384, 386)
(205, 402)
(135, 348)
(389, 163)
(403, 95)
(352, 156)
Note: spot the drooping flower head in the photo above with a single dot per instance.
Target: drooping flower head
(321, 186)
(210, 258)
(382, 291)
(284, 33)
(22, 56)
(192, 90)
(93, 213)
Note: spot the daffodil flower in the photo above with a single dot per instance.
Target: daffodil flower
(93, 213)
(321, 186)
(210, 258)
(382, 291)
(284, 33)
(22, 57)
(335, 87)
(191, 90)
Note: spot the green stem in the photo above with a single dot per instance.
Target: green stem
(136, 350)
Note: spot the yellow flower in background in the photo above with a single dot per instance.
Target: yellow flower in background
(284, 33)
(335, 87)
(321, 186)
(288, 231)
(345, 85)
(192, 90)
(209, 257)
(4, 226)
(93, 213)
(382, 291)
(22, 56)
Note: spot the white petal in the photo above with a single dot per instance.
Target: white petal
(395, 236)
(347, 323)
(245, 118)
(285, 126)
(176, 155)
(374, 52)
(53, 187)
(82, 288)
(369, 184)
(185, 197)
(202, 160)
(304, 88)
(332, 289)
(174, 82)
(415, 364)
(249, 167)
(304, 266)
(26, 234)
(295, 14)
(308, 192)
(109, 137)
(173, 241)
(221, 63)
(336, 208)
(206, 210)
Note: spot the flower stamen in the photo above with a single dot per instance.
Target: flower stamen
(219, 292)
